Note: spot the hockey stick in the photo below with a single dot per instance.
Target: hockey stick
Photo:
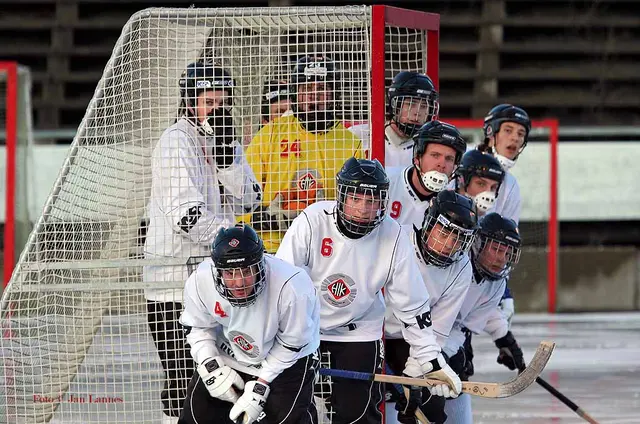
(562, 398)
(488, 390)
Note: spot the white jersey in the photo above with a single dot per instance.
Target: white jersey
(351, 273)
(447, 289)
(404, 204)
(479, 312)
(191, 198)
(509, 203)
(398, 151)
(261, 339)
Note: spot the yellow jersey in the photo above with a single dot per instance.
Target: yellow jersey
(299, 164)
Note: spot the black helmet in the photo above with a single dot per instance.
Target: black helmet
(200, 76)
(408, 85)
(506, 113)
(311, 69)
(436, 132)
(475, 163)
(439, 132)
(314, 69)
(238, 249)
(497, 249)
(448, 229)
(274, 91)
(362, 177)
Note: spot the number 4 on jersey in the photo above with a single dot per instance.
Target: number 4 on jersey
(218, 311)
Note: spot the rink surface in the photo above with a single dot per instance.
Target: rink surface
(596, 363)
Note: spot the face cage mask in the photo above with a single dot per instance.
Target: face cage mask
(409, 130)
(444, 243)
(257, 271)
(360, 225)
(490, 262)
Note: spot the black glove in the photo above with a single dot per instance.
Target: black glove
(407, 407)
(468, 352)
(510, 353)
(461, 365)
(218, 128)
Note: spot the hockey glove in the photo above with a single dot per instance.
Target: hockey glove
(510, 353)
(460, 364)
(221, 381)
(436, 369)
(507, 309)
(407, 407)
(218, 128)
(275, 217)
(249, 406)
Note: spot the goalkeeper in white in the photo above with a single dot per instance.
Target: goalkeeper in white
(252, 322)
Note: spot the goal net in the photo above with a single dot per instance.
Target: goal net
(76, 345)
(537, 176)
(16, 132)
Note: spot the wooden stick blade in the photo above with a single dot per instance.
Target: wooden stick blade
(488, 390)
(519, 383)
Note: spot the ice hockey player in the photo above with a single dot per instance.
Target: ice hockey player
(494, 254)
(412, 101)
(441, 242)
(352, 250)
(275, 101)
(437, 150)
(252, 322)
(200, 180)
(296, 157)
(479, 178)
(506, 132)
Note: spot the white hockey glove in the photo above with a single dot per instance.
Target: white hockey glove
(221, 381)
(249, 406)
(507, 309)
(436, 369)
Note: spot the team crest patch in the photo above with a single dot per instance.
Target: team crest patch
(234, 243)
(306, 181)
(338, 290)
(245, 343)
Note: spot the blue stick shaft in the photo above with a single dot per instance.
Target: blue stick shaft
(354, 375)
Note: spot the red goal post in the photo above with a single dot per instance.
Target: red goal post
(543, 130)
(10, 110)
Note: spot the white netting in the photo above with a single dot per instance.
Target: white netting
(76, 345)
